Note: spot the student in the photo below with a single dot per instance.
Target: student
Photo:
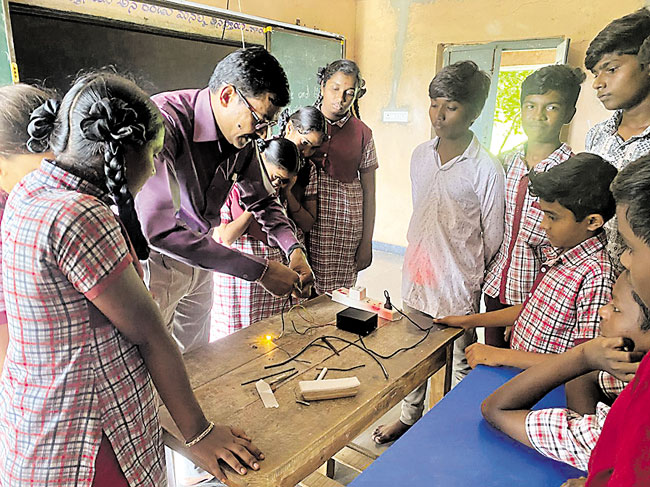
(622, 84)
(570, 434)
(16, 160)
(81, 410)
(622, 455)
(548, 102)
(341, 240)
(562, 309)
(239, 303)
(457, 222)
(305, 128)
(206, 149)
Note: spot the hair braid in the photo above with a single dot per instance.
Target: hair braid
(113, 123)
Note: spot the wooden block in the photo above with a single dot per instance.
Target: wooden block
(318, 480)
(315, 390)
(353, 459)
(342, 295)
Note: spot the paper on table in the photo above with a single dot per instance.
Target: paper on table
(266, 394)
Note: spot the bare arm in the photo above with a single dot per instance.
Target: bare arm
(501, 317)
(480, 354)
(4, 342)
(303, 214)
(583, 393)
(229, 232)
(128, 305)
(364, 252)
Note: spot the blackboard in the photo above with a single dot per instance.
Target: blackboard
(54, 49)
(301, 55)
(5, 53)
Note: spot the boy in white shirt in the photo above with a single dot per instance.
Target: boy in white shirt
(458, 218)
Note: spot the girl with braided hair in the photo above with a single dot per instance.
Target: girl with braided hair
(77, 405)
(239, 303)
(340, 243)
(16, 160)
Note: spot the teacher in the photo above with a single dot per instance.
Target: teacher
(206, 150)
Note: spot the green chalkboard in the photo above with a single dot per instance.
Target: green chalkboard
(6, 56)
(301, 55)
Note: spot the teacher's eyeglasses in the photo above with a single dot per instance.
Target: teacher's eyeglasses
(260, 124)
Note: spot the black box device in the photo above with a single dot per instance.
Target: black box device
(356, 321)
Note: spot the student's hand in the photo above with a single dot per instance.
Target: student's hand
(506, 333)
(298, 263)
(292, 182)
(579, 482)
(480, 354)
(463, 321)
(608, 354)
(363, 257)
(232, 446)
(279, 280)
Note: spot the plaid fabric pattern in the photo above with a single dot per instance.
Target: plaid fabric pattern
(563, 307)
(238, 303)
(69, 374)
(610, 385)
(519, 257)
(603, 139)
(564, 435)
(337, 231)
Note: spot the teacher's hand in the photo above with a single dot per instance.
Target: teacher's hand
(298, 262)
(278, 279)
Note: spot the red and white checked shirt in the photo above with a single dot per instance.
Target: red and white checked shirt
(562, 310)
(511, 273)
(69, 374)
(569, 437)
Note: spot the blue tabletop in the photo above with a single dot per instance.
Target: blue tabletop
(453, 446)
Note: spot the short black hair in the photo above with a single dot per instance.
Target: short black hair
(463, 82)
(621, 36)
(253, 71)
(645, 314)
(562, 78)
(580, 184)
(632, 189)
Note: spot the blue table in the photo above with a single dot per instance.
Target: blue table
(453, 446)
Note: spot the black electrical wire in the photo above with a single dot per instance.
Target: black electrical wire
(330, 337)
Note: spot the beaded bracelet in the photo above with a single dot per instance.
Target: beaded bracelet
(206, 432)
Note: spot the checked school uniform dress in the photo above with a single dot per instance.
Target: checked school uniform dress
(338, 228)
(512, 272)
(239, 303)
(70, 378)
(569, 437)
(562, 310)
(603, 139)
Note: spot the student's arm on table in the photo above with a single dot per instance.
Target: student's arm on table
(501, 317)
(480, 354)
(128, 305)
(364, 252)
(507, 407)
(229, 232)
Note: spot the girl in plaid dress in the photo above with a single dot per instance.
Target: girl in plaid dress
(341, 241)
(16, 160)
(86, 339)
(239, 303)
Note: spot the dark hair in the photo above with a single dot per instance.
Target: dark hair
(282, 153)
(644, 52)
(18, 102)
(344, 66)
(580, 184)
(562, 78)
(632, 188)
(463, 82)
(254, 71)
(645, 314)
(100, 115)
(621, 36)
(305, 120)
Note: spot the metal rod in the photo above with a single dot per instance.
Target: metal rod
(267, 376)
(342, 370)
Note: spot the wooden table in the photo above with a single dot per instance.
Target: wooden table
(297, 439)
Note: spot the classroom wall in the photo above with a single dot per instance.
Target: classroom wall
(430, 23)
(337, 16)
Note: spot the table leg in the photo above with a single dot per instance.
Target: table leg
(449, 365)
